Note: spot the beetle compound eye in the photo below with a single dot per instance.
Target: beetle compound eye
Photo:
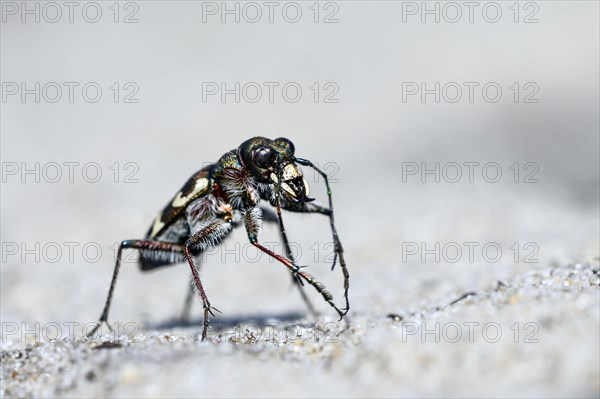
(264, 157)
(286, 144)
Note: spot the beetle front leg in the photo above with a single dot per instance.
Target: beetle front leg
(209, 235)
(252, 221)
(270, 216)
(338, 249)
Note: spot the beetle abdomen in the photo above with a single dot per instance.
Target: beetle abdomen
(176, 233)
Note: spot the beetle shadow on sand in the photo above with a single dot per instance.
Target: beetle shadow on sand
(231, 322)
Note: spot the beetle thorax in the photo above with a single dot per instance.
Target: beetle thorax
(239, 189)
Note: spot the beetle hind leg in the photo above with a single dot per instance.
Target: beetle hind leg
(155, 246)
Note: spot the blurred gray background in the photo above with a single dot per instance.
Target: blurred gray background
(375, 130)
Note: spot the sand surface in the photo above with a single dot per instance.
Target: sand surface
(483, 284)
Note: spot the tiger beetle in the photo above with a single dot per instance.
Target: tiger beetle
(220, 197)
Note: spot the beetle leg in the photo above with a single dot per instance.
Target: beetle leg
(270, 216)
(210, 235)
(339, 250)
(252, 223)
(133, 244)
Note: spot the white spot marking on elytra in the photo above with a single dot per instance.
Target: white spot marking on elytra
(181, 200)
(158, 224)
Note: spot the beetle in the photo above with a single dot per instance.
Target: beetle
(224, 195)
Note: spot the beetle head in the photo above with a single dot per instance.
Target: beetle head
(268, 161)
